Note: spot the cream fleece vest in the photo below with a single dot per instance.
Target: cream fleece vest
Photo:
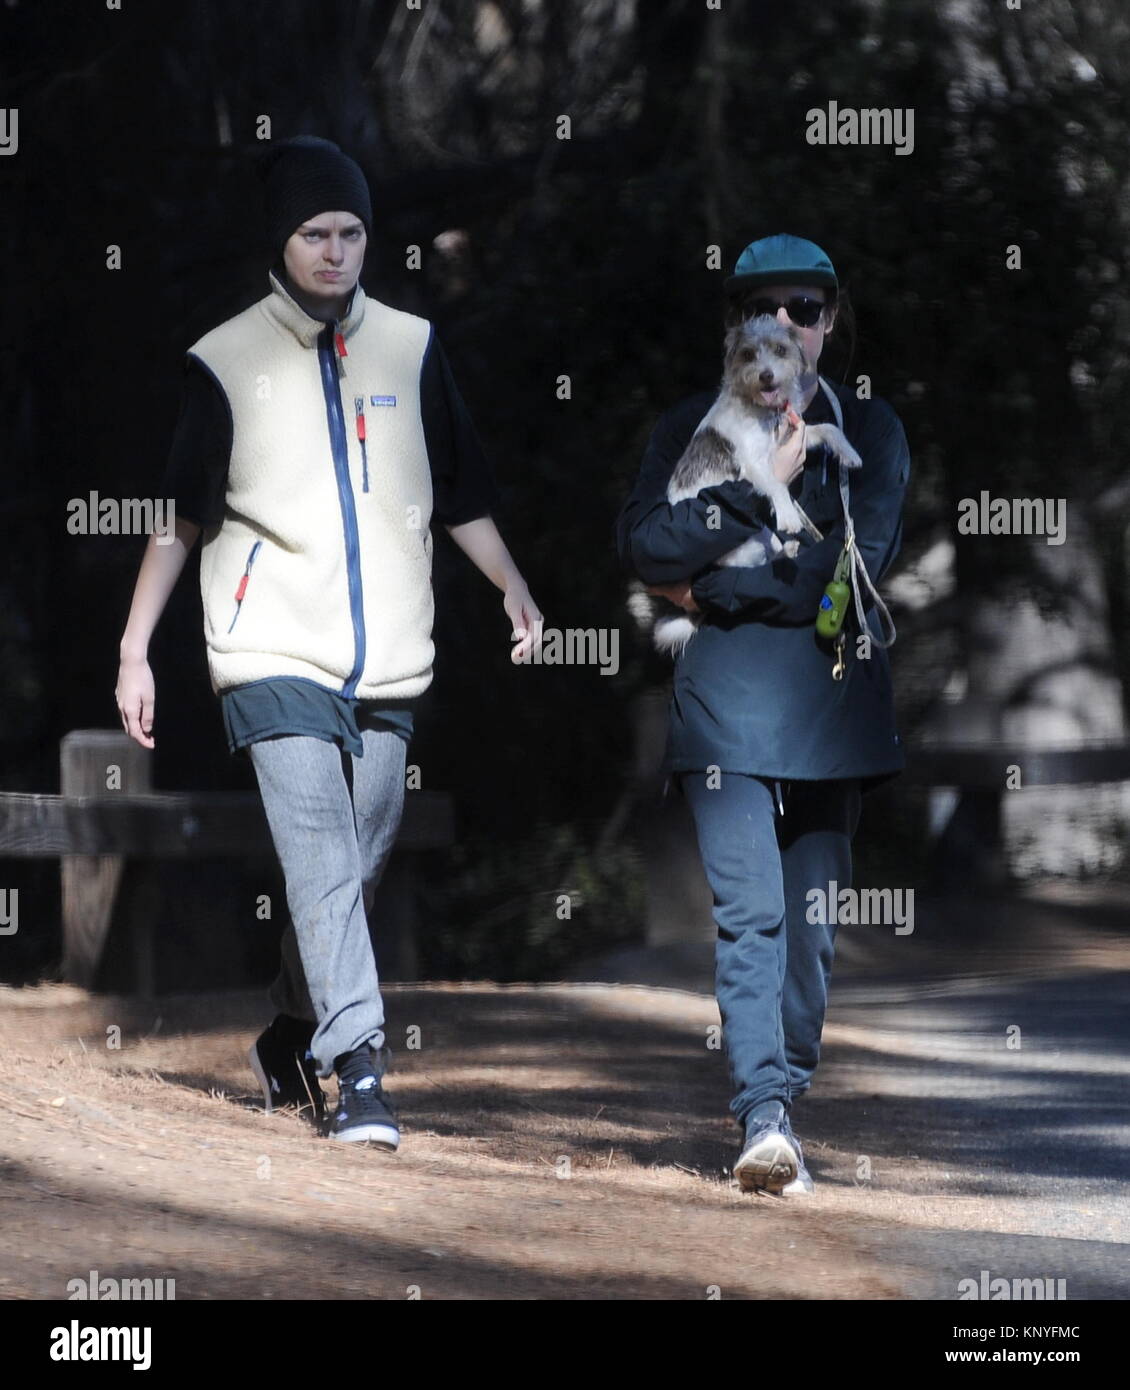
(321, 567)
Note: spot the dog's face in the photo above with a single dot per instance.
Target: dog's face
(764, 361)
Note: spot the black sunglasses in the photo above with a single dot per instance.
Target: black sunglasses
(802, 309)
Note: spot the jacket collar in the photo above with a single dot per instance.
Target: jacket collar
(286, 311)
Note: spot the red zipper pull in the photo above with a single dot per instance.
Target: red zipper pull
(239, 593)
(359, 406)
(340, 340)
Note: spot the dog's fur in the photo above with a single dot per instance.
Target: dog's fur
(738, 438)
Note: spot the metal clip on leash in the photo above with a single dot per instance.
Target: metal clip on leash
(839, 667)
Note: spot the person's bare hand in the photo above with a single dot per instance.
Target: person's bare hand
(526, 622)
(789, 458)
(135, 695)
(678, 594)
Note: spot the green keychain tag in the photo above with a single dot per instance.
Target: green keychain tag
(835, 599)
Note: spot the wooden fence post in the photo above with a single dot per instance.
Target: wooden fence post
(95, 763)
(679, 901)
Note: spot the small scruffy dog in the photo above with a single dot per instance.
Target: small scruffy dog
(738, 437)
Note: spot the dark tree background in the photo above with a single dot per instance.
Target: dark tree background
(588, 257)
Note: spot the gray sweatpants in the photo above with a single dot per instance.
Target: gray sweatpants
(333, 842)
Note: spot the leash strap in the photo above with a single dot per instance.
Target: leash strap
(854, 560)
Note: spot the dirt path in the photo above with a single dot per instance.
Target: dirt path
(571, 1141)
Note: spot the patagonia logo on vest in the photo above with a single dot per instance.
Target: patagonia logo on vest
(382, 400)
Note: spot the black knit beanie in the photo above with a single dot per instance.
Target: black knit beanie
(305, 176)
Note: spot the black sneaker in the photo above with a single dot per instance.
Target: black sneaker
(286, 1072)
(364, 1114)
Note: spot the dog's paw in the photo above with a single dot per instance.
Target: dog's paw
(791, 548)
(751, 553)
(788, 518)
(836, 441)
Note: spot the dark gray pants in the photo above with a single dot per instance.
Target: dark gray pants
(333, 842)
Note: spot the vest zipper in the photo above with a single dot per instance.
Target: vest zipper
(359, 409)
(340, 450)
(242, 590)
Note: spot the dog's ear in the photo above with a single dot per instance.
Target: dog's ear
(733, 338)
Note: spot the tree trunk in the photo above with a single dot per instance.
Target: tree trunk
(1042, 677)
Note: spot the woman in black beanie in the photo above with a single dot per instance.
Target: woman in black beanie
(320, 434)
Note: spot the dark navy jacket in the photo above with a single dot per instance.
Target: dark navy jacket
(753, 691)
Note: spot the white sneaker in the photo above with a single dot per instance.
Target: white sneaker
(801, 1185)
(768, 1161)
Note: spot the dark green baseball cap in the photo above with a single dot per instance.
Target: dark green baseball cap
(781, 259)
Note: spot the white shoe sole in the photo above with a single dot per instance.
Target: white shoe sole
(769, 1166)
(384, 1136)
